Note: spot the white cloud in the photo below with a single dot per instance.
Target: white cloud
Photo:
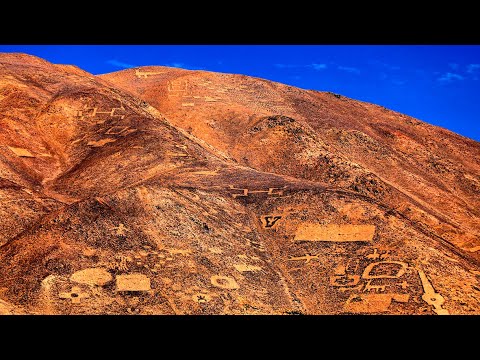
(319, 66)
(120, 64)
(473, 68)
(399, 82)
(454, 66)
(314, 66)
(449, 77)
(384, 65)
(181, 65)
(351, 70)
(176, 64)
(392, 67)
(286, 66)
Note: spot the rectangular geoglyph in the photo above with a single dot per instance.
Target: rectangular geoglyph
(334, 232)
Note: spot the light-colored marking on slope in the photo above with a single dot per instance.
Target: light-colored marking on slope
(100, 143)
(244, 267)
(306, 257)
(430, 296)
(334, 232)
(399, 268)
(224, 282)
(21, 152)
(369, 303)
(145, 74)
(474, 249)
(206, 172)
(133, 282)
(92, 277)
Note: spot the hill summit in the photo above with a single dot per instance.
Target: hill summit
(159, 190)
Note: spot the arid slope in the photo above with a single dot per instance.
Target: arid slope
(166, 191)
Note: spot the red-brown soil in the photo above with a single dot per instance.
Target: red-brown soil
(166, 191)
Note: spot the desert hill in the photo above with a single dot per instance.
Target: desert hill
(165, 191)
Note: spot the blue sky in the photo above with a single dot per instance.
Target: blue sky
(436, 84)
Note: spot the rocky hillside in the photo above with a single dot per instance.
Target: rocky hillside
(165, 191)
